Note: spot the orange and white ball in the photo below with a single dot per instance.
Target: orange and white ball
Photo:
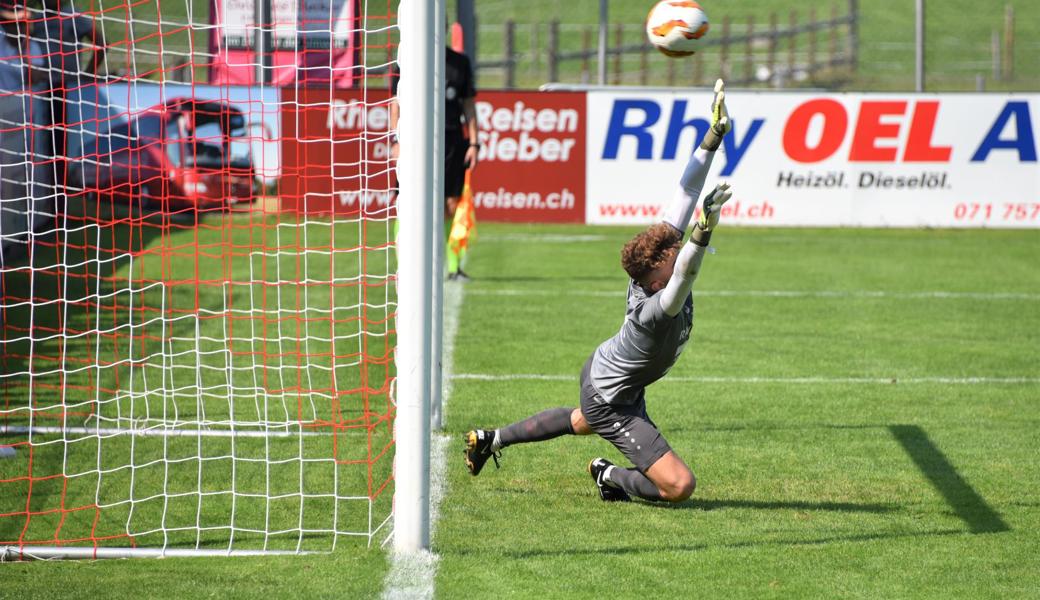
(676, 27)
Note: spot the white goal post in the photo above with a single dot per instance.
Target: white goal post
(421, 125)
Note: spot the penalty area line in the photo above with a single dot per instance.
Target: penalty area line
(867, 294)
(785, 380)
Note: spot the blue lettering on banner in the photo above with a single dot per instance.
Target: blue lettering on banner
(734, 150)
(1023, 141)
(617, 128)
(677, 123)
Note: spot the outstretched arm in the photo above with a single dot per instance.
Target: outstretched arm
(687, 266)
(688, 263)
(680, 211)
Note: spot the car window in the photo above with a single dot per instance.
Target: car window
(202, 146)
(173, 143)
(93, 123)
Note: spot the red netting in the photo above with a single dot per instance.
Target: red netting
(197, 275)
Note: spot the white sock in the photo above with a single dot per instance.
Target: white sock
(606, 476)
(496, 445)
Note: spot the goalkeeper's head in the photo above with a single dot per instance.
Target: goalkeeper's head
(649, 257)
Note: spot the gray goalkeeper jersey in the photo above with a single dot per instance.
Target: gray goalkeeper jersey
(643, 351)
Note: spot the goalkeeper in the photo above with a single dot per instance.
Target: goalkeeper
(658, 319)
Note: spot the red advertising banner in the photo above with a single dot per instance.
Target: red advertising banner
(532, 157)
(335, 152)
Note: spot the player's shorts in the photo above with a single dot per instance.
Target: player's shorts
(455, 147)
(627, 426)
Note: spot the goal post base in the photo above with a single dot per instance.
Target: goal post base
(10, 553)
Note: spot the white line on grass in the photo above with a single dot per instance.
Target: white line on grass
(791, 380)
(412, 576)
(930, 295)
(543, 237)
(453, 295)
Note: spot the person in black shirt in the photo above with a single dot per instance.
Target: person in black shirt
(73, 51)
(26, 196)
(460, 137)
(66, 36)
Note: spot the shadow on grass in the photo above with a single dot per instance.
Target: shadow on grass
(958, 493)
(962, 498)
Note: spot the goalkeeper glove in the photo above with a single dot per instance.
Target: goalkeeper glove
(710, 210)
(720, 124)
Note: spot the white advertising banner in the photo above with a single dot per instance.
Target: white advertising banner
(320, 24)
(812, 159)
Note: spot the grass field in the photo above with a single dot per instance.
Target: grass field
(833, 459)
(859, 407)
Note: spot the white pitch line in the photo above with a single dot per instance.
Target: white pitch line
(453, 295)
(412, 576)
(789, 380)
(558, 238)
(927, 295)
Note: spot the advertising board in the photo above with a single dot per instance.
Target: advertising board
(532, 158)
(615, 156)
(804, 159)
(336, 152)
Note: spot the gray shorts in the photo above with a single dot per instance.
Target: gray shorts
(627, 426)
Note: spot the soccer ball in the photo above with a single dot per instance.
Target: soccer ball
(675, 27)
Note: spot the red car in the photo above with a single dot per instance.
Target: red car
(172, 157)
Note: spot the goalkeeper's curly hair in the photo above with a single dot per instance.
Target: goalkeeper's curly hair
(648, 250)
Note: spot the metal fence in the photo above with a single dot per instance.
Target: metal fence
(818, 48)
(810, 46)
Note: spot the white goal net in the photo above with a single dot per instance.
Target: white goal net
(197, 319)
